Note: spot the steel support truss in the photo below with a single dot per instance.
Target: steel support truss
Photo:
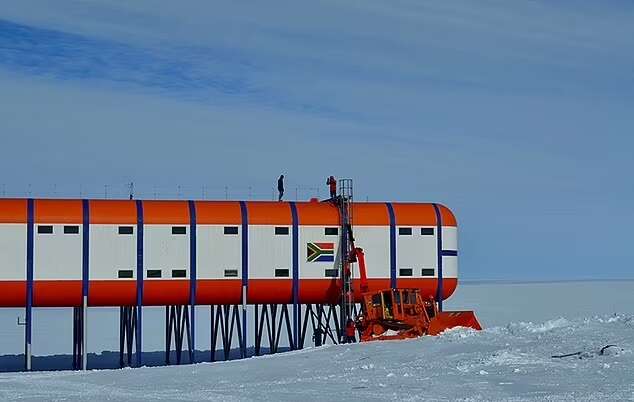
(127, 334)
(177, 326)
(78, 338)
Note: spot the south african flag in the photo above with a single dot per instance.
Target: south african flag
(320, 252)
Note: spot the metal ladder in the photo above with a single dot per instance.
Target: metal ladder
(344, 201)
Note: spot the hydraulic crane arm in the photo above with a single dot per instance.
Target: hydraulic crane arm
(360, 257)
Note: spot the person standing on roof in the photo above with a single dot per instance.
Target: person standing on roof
(280, 187)
(332, 184)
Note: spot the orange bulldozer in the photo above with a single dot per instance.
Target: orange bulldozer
(402, 313)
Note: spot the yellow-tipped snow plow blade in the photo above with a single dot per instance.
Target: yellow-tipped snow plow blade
(451, 319)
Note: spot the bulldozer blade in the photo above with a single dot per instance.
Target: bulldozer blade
(451, 319)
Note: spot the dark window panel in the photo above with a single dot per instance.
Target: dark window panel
(427, 272)
(126, 230)
(45, 229)
(153, 273)
(332, 273)
(179, 273)
(405, 272)
(231, 230)
(281, 272)
(231, 272)
(281, 230)
(405, 231)
(179, 230)
(331, 231)
(427, 231)
(125, 273)
(71, 229)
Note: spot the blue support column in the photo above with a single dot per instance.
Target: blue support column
(139, 283)
(192, 276)
(390, 210)
(85, 257)
(296, 305)
(439, 251)
(29, 281)
(245, 272)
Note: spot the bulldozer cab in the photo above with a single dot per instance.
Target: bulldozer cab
(395, 304)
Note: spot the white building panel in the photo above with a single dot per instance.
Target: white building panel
(268, 251)
(427, 251)
(57, 255)
(165, 251)
(217, 252)
(415, 251)
(111, 251)
(316, 234)
(449, 238)
(450, 267)
(375, 242)
(12, 252)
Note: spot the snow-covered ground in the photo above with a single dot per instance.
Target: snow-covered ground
(526, 324)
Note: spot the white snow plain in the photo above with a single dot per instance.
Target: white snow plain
(511, 359)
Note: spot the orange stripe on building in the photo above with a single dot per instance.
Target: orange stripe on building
(12, 211)
(370, 214)
(218, 213)
(58, 211)
(165, 212)
(112, 293)
(12, 293)
(448, 218)
(409, 214)
(113, 212)
(318, 213)
(50, 293)
(269, 213)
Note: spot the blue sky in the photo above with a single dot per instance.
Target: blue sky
(517, 115)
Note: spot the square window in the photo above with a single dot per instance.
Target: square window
(405, 272)
(71, 229)
(332, 273)
(427, 231)
(231, 230)
(231, 273)
(153, 273)
(125, 274)
(428, 272)
(331, 231)
(126, 230)
(179, 273)
(45, 229)
(281, 230)
(405, 231)
(179, 230)
(281, 272)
